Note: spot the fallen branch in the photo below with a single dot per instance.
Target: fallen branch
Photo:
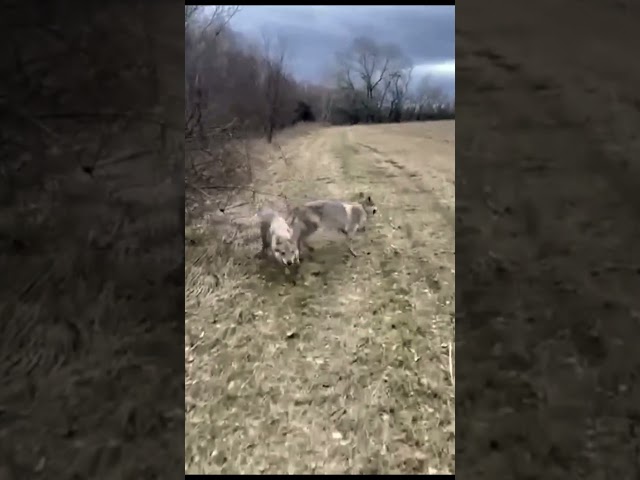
(200, 190)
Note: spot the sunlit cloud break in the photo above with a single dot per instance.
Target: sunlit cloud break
(439, 69)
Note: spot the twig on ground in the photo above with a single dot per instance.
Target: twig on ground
(199, 257)
(282, 154)
(200, 190)
(236, 205)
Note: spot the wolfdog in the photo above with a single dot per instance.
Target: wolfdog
(336, 215)
(277, 237)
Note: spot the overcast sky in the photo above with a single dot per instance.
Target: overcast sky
(314, 33)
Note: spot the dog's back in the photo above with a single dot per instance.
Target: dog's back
(334, 214)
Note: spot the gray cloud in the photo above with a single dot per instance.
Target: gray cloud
(426, 34)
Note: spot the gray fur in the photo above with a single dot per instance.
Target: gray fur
(344, 217)
(277, 237)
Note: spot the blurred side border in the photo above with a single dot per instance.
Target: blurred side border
(92, 232)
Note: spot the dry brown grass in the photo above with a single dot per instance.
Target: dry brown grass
(346, 366)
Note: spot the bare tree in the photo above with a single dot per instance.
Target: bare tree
(368, 68)
(234, 90)
(217, 17)
(324, 104)
(202, 27)
(274, 55)
(430, 99)
(399, 83)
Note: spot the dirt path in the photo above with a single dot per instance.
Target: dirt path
(348, 370)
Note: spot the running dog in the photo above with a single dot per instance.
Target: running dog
(344, 217)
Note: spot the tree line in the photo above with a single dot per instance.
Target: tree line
(232, 84)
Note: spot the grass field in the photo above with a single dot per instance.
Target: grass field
(347, 365)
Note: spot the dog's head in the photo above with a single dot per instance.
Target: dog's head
(286, 251)
(367, 203)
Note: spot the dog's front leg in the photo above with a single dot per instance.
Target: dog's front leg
(350, 234)
(263, 253)
(303, 247)
(304, 243)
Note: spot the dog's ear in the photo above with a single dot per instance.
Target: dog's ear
(361, 195)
